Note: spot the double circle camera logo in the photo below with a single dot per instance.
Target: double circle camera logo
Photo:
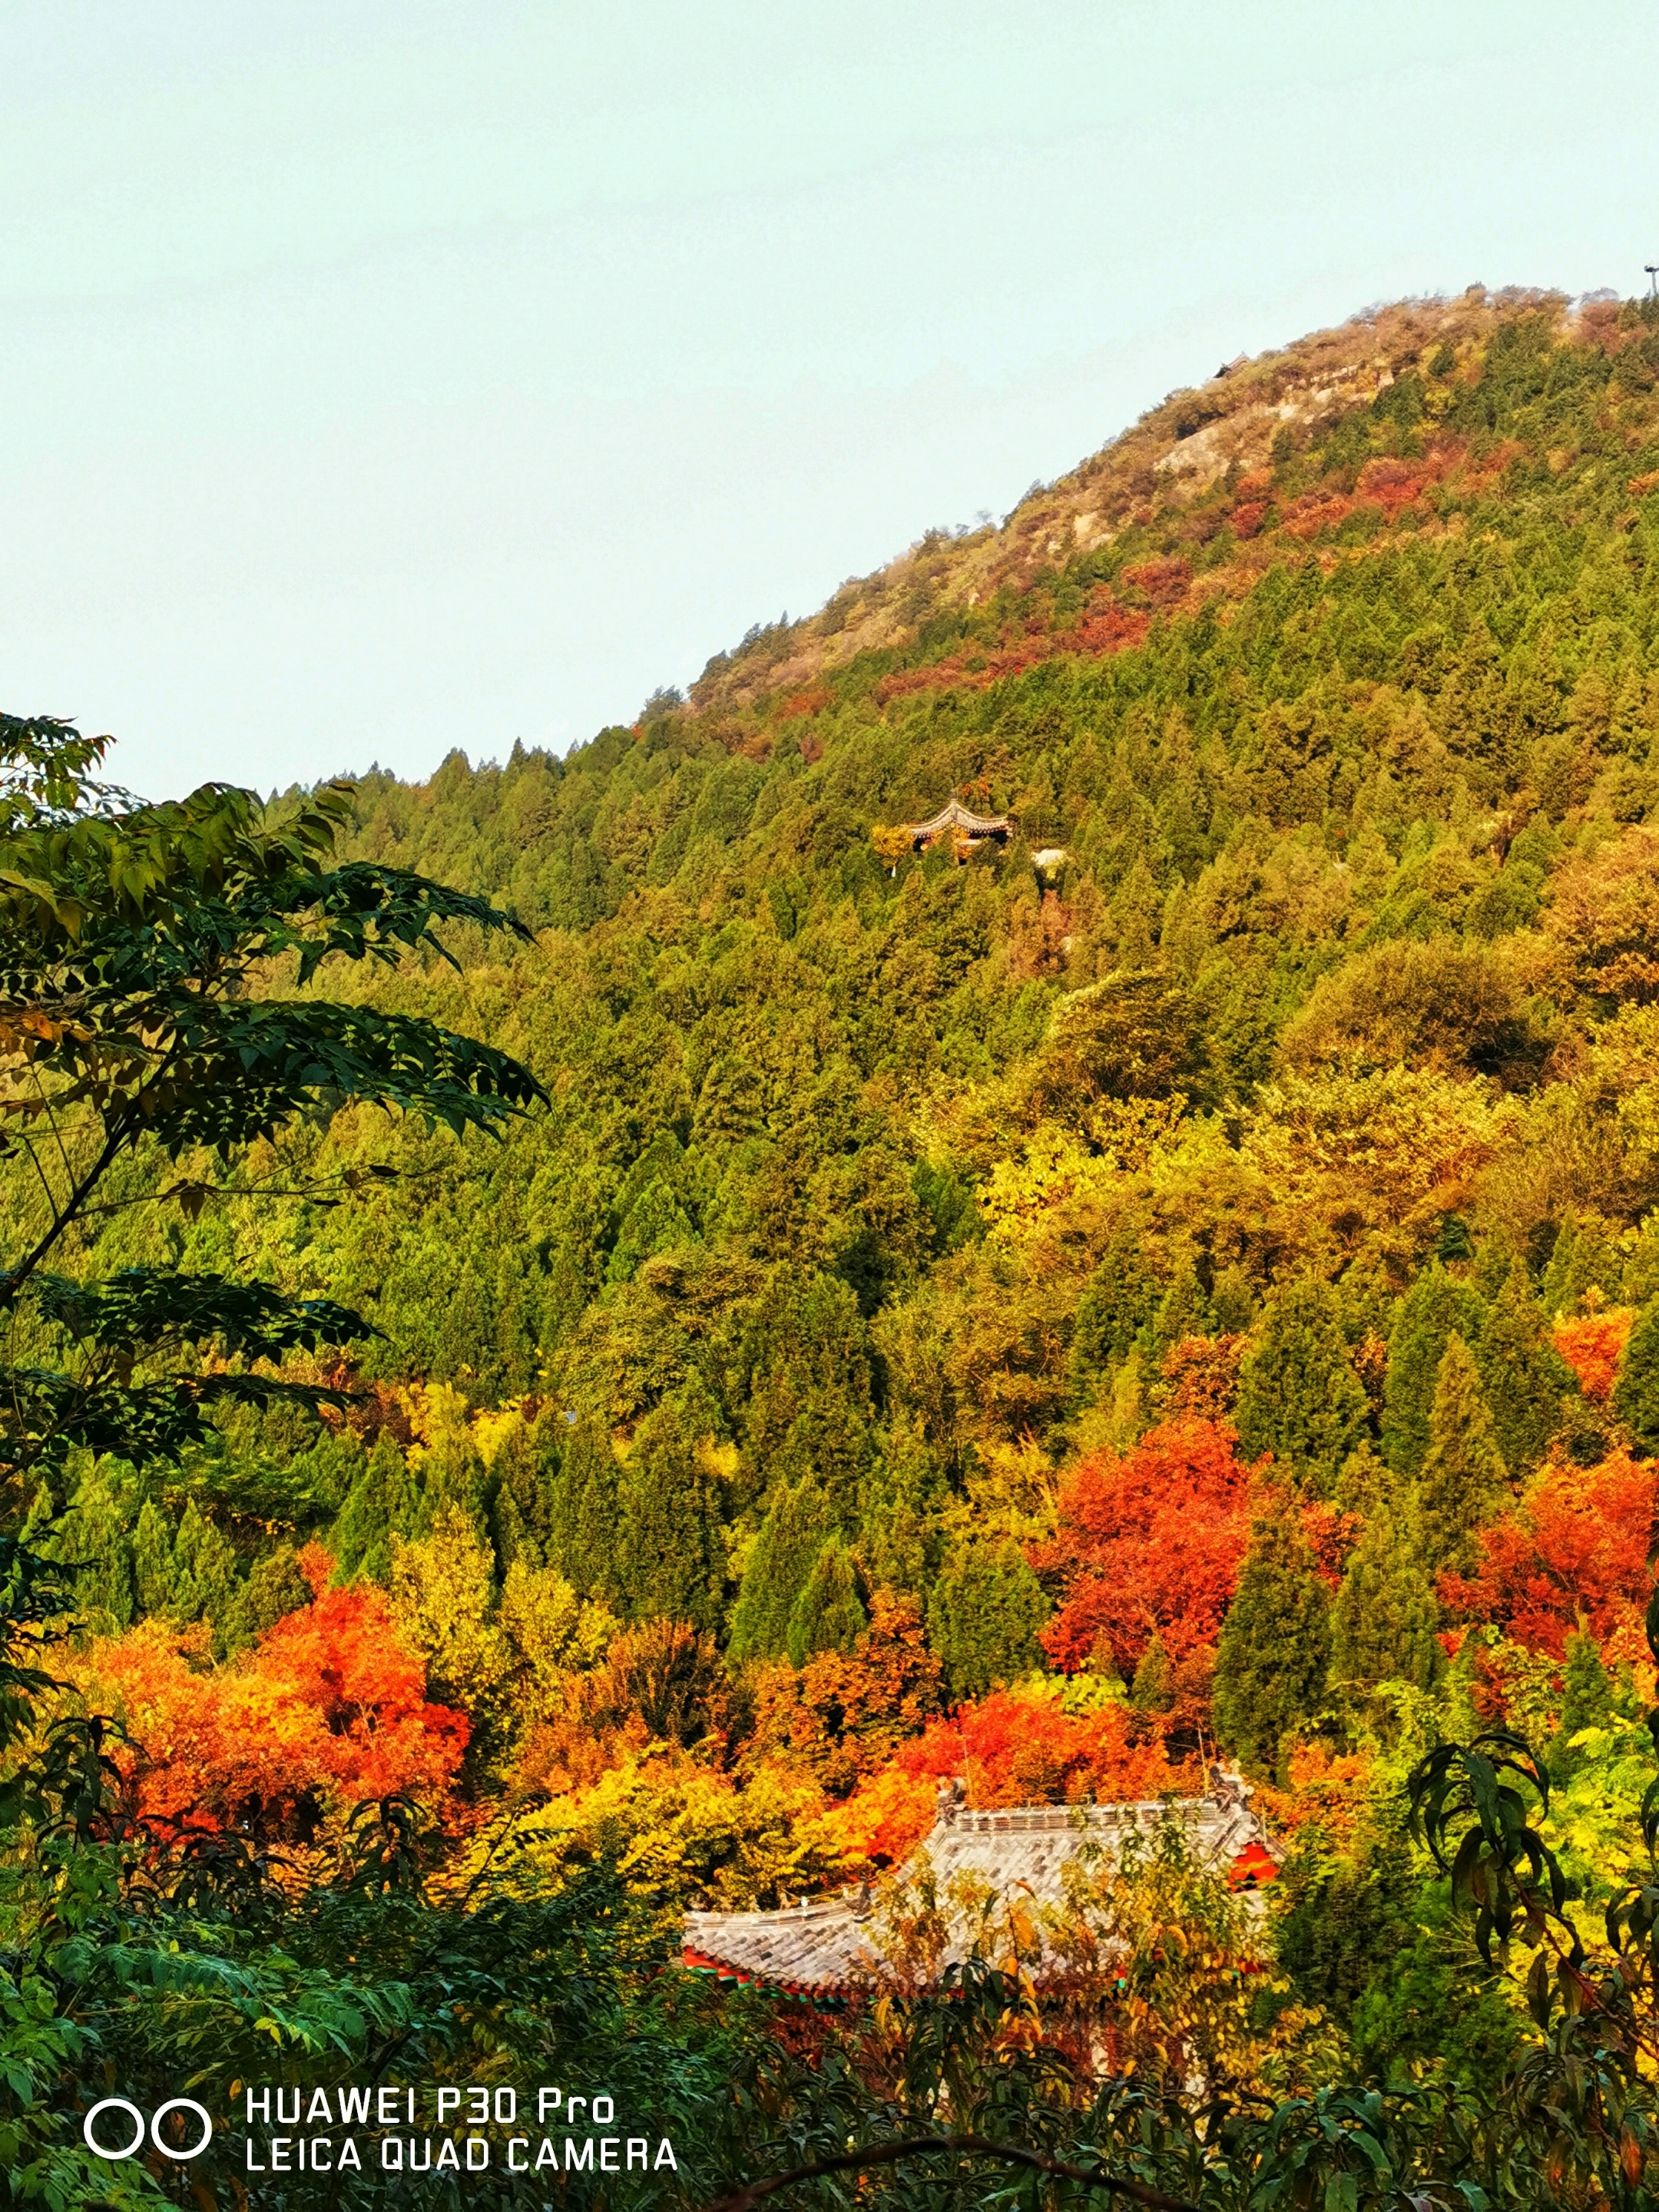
(141, 2128)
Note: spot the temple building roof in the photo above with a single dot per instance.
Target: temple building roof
(828, 1946)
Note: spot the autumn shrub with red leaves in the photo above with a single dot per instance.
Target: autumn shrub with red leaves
(1316, 512)
(1331, 1535)
(327, 1710)
(1148, 1541)
(805, 703)
(886, 1817)
(1573, 1550)
(1111, 629)
(1163, 580)
(1106, 628)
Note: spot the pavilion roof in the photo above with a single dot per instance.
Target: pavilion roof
(827, 1946)
(953, 815)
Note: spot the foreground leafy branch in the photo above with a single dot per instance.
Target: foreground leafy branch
(895, 2153)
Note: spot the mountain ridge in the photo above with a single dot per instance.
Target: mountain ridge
(1174, 452)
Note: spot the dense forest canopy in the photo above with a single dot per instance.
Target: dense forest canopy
(1181, 1283)
(904, 1178)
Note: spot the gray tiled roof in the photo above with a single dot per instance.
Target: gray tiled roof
(953, 815)
(829, 1944)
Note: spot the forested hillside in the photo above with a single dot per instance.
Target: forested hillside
(1186, 1278)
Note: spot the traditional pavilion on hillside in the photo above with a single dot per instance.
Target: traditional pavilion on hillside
(827, 1948)
(965, 828)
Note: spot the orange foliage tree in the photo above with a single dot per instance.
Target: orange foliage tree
(1592, 1344)
(1575, 1549)
(1200, 1377)
(844, 1713)
(1148, 1541)
(1601, 912)
(886, 1818)
(328, 1710)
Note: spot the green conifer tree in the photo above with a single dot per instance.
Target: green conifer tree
(1582, 1258)
(1385, 1621)
(830, 1441)
(1433, 1308)
(1363, 1297)
(1463, 1479)
(95, 1536)
(460, 1326)
(1639, 1283)
(1636, 1393)
(569, 1282)
(810, 1409)
(1233, 1301)
(1153, 1690)
(154, 1580)
(1588, 1700)
(655, 1222)
(1122, 1296)
(274, 1588)
(1274, 1650)
(670, 1561)
(661, 1166)
(1298, 1396)
(510, 1536)
(382, 1502)
(453, 1478)
(1183, 1311)
(1363, 1483)
(984, 1616)
(523, 1478)
(518, 1304)
(583, 1538)
(1522, 1376)
(205, 1569)
(828, 1615)
(798, 1524)
(898, 1514)
(1495, 1262)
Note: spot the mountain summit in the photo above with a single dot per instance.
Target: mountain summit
(1199, 468)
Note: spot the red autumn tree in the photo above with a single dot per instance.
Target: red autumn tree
(1016, 1750)
(1574, 1549)
(1331, 1537)
(1164, 580)
(1592, 1344)
(1148, 1540)
(328, 1710)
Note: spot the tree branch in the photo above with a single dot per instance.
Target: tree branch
(855, 2161)
(12, 1282)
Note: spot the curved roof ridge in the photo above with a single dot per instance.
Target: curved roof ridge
(953, 815)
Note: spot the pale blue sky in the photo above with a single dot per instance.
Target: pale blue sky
(376, 379)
